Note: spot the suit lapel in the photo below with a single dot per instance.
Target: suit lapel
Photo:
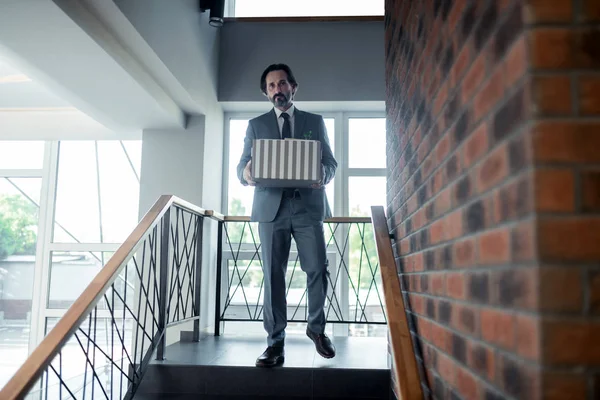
(271, 121)
(299, 120)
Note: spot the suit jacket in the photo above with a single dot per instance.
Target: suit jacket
(267, 199)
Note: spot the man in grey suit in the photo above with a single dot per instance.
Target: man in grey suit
(285, 212)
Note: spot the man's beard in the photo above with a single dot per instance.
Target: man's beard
(280, 100)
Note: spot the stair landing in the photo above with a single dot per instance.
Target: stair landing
(223, 368)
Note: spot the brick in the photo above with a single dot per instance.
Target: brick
(585, 49)
(511, 115)
(476, 145)
(490, 94)
(430, 308)
(513, 200)
(487, 23)
(437, 232)
(498, 328)
(440, 337)
(589, 94)
(467, 385)
(463, 253)
(417, 303)
(475, 217)
(528, 337)
(478, 290)
(581, 337)
(509, 32)
(461, 64)
(493, 169)
(590, 182)
(564, 280)
(481, 359)
(516, 63)
(455, 285)
(438, 284)
(474, 78)
(442, 150)
(444, 312)
(516, 288)
(454, 225)
(440, 99)
(522, 242)
(551, 94)
(463, 190)
(591, 11)
(573, 239)
(551, 48)
(539, 11)
(465, 319)
(518, 379)
(565, 141)
(456, 12)
(563, 385)
(446, 368)
(493, 247)
(554, 190)
(594, 290)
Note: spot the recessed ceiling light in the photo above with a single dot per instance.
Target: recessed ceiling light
(14, 78)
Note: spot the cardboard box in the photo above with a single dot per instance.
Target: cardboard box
(292, 163)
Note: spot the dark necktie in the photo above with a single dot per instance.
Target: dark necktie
(286, 132)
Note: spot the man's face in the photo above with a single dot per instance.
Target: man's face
(279, 91)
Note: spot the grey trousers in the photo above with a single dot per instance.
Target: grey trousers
(276, 236)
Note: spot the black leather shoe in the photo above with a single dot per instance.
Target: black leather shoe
(272, 357)
(323, 344)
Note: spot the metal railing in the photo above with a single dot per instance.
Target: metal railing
(103, 344)
(354, 291)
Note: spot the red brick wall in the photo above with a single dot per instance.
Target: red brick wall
(494, 192)
(564, 40)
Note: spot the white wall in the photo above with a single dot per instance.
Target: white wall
(181, 37)
(175, 162)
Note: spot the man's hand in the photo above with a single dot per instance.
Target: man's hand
(319, 185)
(248, 174)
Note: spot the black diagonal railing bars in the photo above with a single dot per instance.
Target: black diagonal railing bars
(354, 292)
(102, 345)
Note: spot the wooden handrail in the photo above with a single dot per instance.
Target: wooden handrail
(408, 384)
(20, 384)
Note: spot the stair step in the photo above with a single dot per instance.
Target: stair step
(276, 383)
(221, 368)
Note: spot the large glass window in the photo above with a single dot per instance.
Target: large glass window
(305, 8)
(96, 205)
(366, 140)
(21, 155)
(20, 193)
(97, 191)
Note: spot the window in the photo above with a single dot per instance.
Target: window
(97, 191)
(304, 8)
(86, 196)
(358, 141)
(21, 172)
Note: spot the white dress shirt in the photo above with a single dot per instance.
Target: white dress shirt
(291, 113)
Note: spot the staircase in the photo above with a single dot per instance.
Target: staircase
(111, 343)
(223, 368)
